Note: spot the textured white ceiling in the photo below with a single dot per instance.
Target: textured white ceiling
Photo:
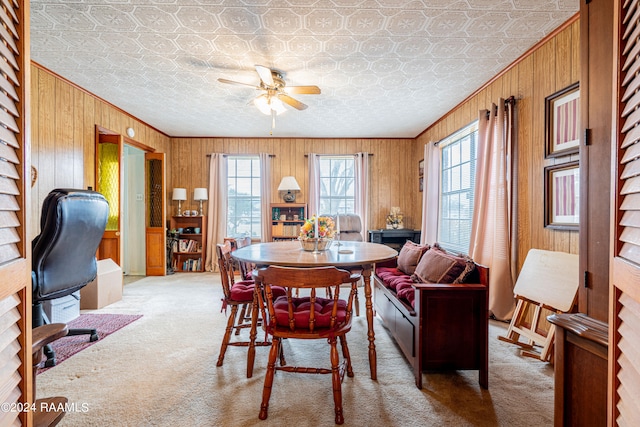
(386, 68)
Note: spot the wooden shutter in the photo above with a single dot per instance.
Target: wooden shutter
(15, 282)
(624, 336)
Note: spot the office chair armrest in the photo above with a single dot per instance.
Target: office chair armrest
(45, 334)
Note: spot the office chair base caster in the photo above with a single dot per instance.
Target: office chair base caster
(93, 334)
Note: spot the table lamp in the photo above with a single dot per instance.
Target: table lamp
(200, 194)
(289, 184)
(179, 194)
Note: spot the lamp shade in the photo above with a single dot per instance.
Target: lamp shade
(288, 183)
(179, 194)
(200, 194)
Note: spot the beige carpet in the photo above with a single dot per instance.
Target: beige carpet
(161, 371)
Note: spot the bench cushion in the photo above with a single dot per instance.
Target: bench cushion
(438, 266)
(410, 255)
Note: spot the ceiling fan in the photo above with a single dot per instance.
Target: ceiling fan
(275, 92)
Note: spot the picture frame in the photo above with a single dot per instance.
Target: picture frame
(421, 167)
(562, 196)
(421, 183)
(562, 122)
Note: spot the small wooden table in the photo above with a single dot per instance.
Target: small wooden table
(349, 255)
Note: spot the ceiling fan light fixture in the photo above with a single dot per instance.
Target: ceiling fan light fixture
(266, 103)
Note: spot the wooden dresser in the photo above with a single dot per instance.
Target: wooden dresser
(581, 345)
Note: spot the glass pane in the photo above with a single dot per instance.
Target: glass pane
(455, 154)
(455, 178)
(466, 149)
(244, 167)
(465, 175)
(325, 187)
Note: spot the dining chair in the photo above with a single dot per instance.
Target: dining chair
(237, 295)
(307, 317)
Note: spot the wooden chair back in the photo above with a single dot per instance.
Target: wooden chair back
(308, 279)
(223, 251)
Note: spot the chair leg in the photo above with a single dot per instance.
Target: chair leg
(268, 378)
(242, 318)
(227, 334)
(346, 354)
(335, 376)
(357, 303)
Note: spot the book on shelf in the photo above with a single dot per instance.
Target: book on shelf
(192, 264)
(186, 245)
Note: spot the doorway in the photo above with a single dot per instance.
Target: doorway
(133, 212)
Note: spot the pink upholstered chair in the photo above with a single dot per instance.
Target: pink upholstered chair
(307, 317)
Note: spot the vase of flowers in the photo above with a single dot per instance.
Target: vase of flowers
(394, 219)
(316, 234)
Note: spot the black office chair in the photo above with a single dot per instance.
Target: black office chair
(63, 258)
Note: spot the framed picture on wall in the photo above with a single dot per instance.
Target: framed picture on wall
(562, 122)
(421, 167)
(562, 193)
(421, 183)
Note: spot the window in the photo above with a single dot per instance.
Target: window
(337, 184)
(458, 170)
(243, 196)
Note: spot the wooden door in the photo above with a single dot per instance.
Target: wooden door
(596, 27)
(15, 252)
(155, 215)
(108, 181)
(624, 307)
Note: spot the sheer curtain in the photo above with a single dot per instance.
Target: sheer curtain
(362, 191)
(492, 237)
(265, 196)
(430, 194)
(217, 210)
(314, 185)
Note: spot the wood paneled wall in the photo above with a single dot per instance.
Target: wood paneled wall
(63, 120)
(64, 117)
(393, 168)
(549, 68)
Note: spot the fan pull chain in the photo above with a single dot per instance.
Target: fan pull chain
(273, 121)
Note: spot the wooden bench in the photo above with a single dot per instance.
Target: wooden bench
(447, 330)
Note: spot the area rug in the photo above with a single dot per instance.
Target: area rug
(105, 324)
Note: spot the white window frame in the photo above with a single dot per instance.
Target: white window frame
(254, 219)
(454, 225)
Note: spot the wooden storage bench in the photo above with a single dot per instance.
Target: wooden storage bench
(447, 328)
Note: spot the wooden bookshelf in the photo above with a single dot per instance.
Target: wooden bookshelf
(188, 254)
(284, 225)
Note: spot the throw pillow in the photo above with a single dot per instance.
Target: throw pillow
(409, 256)
(438, 266)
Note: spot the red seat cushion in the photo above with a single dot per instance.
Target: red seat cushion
(302, 311)
(408, 294)
(393, 277)
(243, 291)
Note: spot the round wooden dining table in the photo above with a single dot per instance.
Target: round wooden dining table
(348, 255)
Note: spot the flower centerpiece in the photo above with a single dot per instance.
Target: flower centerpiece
(394, 219)
(317, 233)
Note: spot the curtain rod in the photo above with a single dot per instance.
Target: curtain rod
(510, 100)
(229, 154)
(307, 155)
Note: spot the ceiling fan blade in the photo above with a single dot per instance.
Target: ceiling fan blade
(292, 102)
(232, 82)
(303, 90)
(265, 75)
